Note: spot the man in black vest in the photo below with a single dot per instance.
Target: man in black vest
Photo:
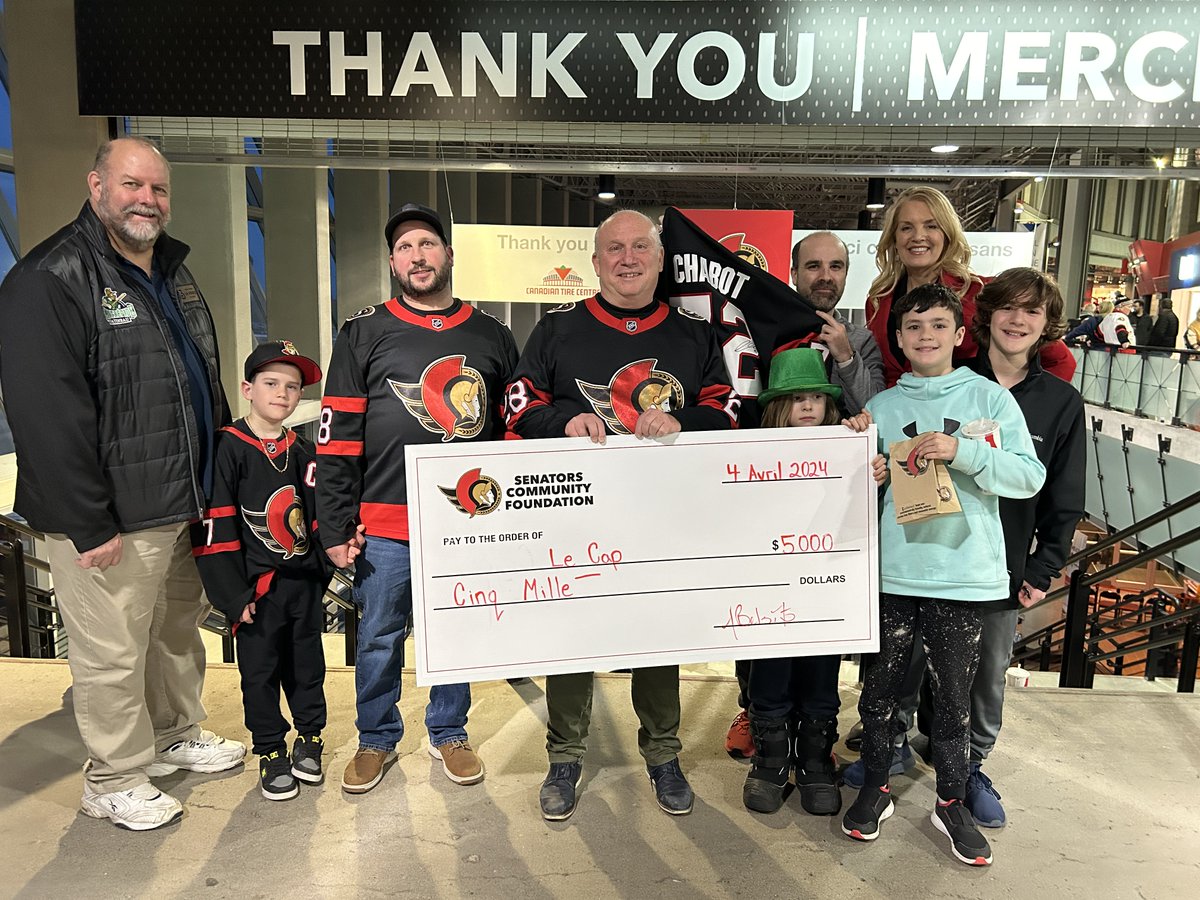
(109, 367)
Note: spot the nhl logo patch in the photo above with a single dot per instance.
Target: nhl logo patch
(271, 446)
(437, 322)
(117, 310)
(631, 325)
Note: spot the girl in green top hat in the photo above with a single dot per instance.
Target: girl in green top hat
(799, 393)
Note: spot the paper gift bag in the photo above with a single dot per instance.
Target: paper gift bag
(920, 488)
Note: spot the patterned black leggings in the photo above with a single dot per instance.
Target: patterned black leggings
(950, 633)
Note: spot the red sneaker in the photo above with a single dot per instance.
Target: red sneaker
(738, 742)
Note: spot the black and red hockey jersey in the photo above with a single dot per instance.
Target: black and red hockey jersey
(593, 357)
(401, 376)
(259, 521)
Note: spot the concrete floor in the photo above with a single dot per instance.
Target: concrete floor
(1100, 787)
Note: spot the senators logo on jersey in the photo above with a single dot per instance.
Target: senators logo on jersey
(635, 388)
(450, 399)
(475, 494)
(281, 525)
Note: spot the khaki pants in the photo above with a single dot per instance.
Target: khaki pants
(137, 661)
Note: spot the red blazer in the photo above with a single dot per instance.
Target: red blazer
(1055, 357)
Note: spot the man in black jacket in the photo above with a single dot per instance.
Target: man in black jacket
(109, 367)
(1166, 327)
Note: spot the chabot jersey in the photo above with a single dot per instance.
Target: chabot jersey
(259, 522)
(400, 376)
(592, 357)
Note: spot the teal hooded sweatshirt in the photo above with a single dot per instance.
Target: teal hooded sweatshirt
(958, 556)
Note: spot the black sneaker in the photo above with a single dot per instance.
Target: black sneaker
(874, 805)
(966, 843)
(306, 758)
(671, 789)
(275, 776)
(558, 797)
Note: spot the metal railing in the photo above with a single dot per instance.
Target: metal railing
(1156, 383)
(1148, 626)
(34, 623)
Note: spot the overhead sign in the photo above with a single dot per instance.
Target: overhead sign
(789, 63)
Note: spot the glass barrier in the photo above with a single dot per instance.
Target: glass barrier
(1156, 384)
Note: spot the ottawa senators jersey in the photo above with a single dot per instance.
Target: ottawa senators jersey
(593, 357)
(259, 521)
(402, 376)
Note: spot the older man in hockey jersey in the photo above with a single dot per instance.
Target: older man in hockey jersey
(574, 379)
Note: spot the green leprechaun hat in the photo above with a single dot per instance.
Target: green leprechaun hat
(794, 371)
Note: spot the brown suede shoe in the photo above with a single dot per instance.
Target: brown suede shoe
(460, 763)
(366, 770)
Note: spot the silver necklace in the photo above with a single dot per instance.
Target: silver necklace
(287, 448)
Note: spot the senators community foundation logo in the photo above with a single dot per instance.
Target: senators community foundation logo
(117, 310)
(449, 400)
(281, 525)
(475, 494)
(633, 389)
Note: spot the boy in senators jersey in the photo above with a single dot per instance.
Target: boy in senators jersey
(423, 367)
(621, 362)
(260, 566)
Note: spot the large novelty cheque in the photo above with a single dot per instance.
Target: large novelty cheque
(553, 556)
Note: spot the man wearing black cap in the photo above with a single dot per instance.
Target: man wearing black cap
(109, 365)
(421, 368)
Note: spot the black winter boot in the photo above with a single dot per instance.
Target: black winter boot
(812, 755)
(770, 766)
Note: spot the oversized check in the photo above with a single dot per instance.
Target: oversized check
(552, 556)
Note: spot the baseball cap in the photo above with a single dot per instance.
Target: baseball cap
(409, 212)
(282, 352)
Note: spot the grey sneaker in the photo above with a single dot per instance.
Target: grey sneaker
(275, 776)
(306, 758)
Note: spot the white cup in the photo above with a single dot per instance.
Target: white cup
(986, 430)
(1015, 676)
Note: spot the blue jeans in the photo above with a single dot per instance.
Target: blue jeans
(383, 589)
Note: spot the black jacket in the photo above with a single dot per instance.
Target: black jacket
(96, 391)
(1054, 413)
(1165, 331)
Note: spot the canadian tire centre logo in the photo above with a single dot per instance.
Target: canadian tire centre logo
(475, 494)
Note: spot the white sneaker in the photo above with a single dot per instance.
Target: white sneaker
(208, 753)
(138, 809)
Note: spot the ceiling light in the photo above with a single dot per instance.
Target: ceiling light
(1038, 179)
(606, 187)
(945, 148)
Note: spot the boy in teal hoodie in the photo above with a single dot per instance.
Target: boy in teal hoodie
(936, 571)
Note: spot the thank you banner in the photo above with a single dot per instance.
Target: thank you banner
(791, 63)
